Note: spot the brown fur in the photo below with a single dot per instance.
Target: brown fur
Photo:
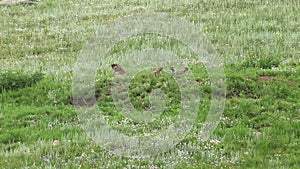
(118, 70)
(181, 71)
(157, 71)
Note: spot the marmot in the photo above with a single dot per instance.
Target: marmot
(118, 70)
(181, 71)
(157, 71)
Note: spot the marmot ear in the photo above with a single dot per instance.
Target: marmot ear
(114, 65)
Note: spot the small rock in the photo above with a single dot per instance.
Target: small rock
(56, 142)
(258, 134)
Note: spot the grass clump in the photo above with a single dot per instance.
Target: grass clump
(11, 80)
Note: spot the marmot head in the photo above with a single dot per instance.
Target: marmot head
(118, 69)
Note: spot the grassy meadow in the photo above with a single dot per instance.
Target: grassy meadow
(258, 40)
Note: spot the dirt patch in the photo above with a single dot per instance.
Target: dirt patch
(266, 78)
(273, 79)
(83, 101)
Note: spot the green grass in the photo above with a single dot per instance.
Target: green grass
(258, 40)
